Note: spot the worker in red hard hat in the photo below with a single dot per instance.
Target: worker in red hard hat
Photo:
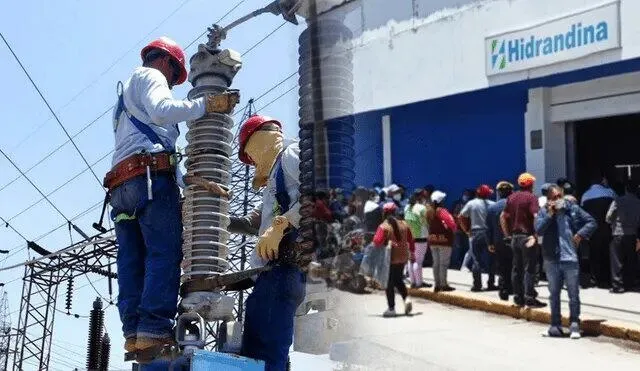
(143, 188)
(271, 306)
(517, 223)
(473, 221)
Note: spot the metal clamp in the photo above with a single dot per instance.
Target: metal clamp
(190, 332)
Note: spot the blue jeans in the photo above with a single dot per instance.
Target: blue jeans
(569, 274)
(149, 235)
(481, 259)
(270, 311)
(460, 249)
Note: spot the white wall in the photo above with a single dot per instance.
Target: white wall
(549, 109)
(439, 53)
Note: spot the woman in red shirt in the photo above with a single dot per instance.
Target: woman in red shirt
(442, 228)
(402, 250)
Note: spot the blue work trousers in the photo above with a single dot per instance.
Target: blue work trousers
(149, 235)
(482, 260)
(559, 273)
(270, 311)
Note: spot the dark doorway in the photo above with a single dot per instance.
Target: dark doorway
(608, 145)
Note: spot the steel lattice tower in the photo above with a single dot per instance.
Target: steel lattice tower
(5, 331)
(40, 293)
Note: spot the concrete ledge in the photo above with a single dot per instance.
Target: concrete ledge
(590, 326)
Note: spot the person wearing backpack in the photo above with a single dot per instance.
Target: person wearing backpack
(396, 233)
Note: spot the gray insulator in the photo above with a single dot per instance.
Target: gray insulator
(209, 151)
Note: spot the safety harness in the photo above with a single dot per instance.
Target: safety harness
(287, 253)
(138, 164)
(141, 126)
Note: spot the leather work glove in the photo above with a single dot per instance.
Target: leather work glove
(210, 186)
(269, 241)
(223, 103)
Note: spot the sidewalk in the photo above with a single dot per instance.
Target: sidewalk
(602, 313)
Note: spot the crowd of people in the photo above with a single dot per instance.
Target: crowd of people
(520, 238)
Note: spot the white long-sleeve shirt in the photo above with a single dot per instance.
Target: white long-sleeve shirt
(148, 97)
(291, 169)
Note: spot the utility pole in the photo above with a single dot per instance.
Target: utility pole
(5, 331)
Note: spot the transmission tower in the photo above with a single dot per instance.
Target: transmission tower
(94, 255)
(5, 331)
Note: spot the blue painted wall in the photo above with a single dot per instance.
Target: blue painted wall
(368, 148)
(459, 141)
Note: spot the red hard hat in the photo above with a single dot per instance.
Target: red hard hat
(389, 207)
(173, 49)
(253, 124)
(484, 191)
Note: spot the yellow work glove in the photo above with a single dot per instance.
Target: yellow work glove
(269, 241)
(223, 103)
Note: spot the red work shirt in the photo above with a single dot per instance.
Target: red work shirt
(441, 228)
(403, 249)
(520, 212)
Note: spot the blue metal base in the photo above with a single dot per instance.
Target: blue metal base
(204, 361)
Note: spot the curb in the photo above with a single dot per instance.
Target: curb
(591, 327)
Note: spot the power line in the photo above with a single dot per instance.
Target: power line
(64, 293)
(6, 223)
(49, 106)
(277, 98)
(34, 186)
(216, 22)
(264, 38)
(60, 186)
(265, 93)
(110, 107)
(80, 215)
(101, 74)
(57, 148)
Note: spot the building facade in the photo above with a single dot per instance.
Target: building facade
(458, 93)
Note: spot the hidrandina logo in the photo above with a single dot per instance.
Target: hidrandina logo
(505, 51)
(498, 55)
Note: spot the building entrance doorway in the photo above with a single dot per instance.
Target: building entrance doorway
(607, 145)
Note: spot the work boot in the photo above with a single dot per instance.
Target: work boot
(492, 287)
(504, 295)
(130, 345)
(143, 342)
(534, 303)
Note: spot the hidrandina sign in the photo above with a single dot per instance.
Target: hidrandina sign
(561, 39)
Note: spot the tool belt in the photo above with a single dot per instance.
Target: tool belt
(136, 165)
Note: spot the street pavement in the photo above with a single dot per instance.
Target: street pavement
(442, 337)
(596, 304)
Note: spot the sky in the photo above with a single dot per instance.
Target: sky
(76, 51)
